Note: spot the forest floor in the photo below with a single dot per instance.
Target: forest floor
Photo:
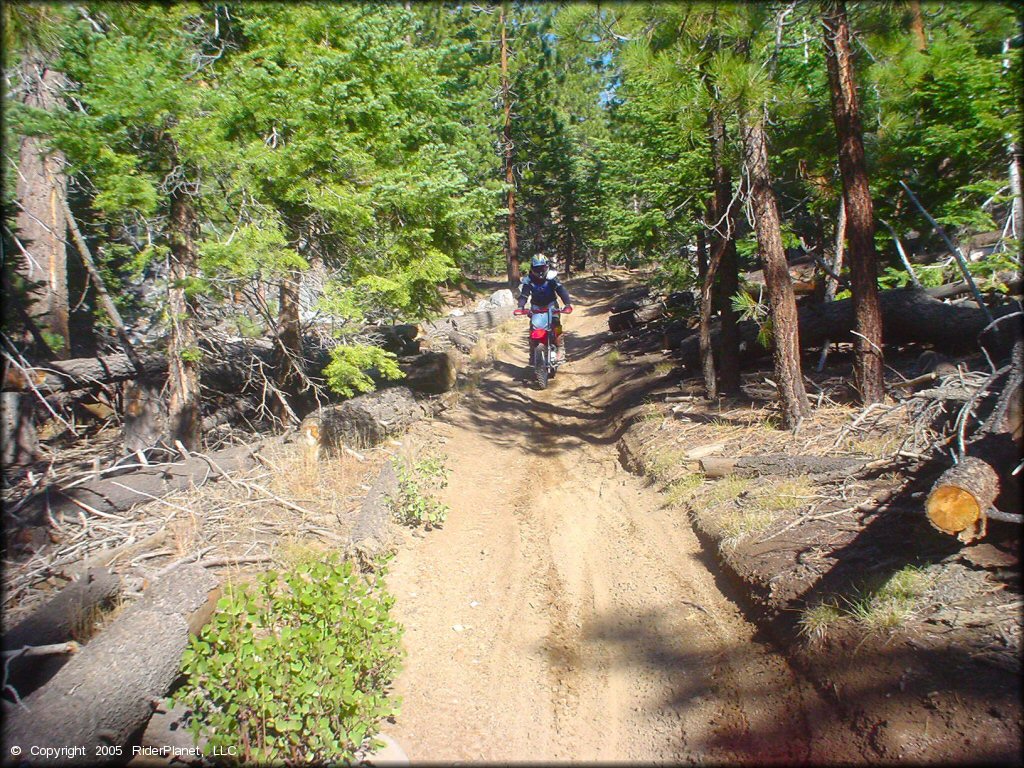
(572, 610)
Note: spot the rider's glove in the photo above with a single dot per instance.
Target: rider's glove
(567, 309)
(519, 311)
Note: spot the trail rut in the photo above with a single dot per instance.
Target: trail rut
(564, 612)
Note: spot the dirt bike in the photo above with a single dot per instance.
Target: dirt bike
(543, 350)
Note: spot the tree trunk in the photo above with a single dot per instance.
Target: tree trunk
(512, 246)
(776, 272)
(288, 359)
(19, 441)
(60, 619)
(366, 420)
(832, 283)
(774, 464)
(41, 188)
(183, 418)
(917, 25)
(860, 224)
(105, 693)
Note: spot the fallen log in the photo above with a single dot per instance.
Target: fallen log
(908, 316)
(960, 498)
(778, 464)
(118, 494)
(363, 421)
(79, 373)
(104, 694)
(56, 621)
(431, 372)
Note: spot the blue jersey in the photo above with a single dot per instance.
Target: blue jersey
(543, 293)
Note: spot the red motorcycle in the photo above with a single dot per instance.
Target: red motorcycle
(543, 347)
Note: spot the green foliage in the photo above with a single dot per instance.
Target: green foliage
(296, 667)
(749, 308)
(347, 372)
(415, 504)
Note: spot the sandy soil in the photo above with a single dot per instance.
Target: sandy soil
(563, 613)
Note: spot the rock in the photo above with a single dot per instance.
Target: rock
(502, 298)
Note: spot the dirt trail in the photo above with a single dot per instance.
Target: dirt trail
(563, 613)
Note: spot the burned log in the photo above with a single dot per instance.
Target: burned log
(104, 693)
(777, 464)
(365, 421)
(908, 316)
(961, 497)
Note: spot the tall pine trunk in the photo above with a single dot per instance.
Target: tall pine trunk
(860, 220)
(512, 246)
(788, 374)
(41, 189)
(184, 422)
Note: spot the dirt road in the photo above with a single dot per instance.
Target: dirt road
(563, 613)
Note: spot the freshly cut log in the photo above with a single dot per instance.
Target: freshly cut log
(908, 316)
(367, 420)
(431, 372)
(778, 464)
(104, 693)
(960, 498)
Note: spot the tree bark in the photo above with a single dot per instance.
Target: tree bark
(366, 420)
(917, 25)
(56, 621)
(512, 246)
(19, 441)
(183, 417)
(288, 357)
(776, 272)
(431, 372)
(41, 190)
(754, 466)
(104, 693)
(860, 224)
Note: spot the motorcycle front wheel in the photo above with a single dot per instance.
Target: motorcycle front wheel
(540, 365)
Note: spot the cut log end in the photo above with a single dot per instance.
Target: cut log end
(952, 509)
(960, 497)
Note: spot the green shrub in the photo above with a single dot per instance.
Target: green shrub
(414, 505)
(296, 666)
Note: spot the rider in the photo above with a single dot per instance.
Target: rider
(541, 287)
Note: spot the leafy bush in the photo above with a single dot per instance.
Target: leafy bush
(413, 505)
(295, 667)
